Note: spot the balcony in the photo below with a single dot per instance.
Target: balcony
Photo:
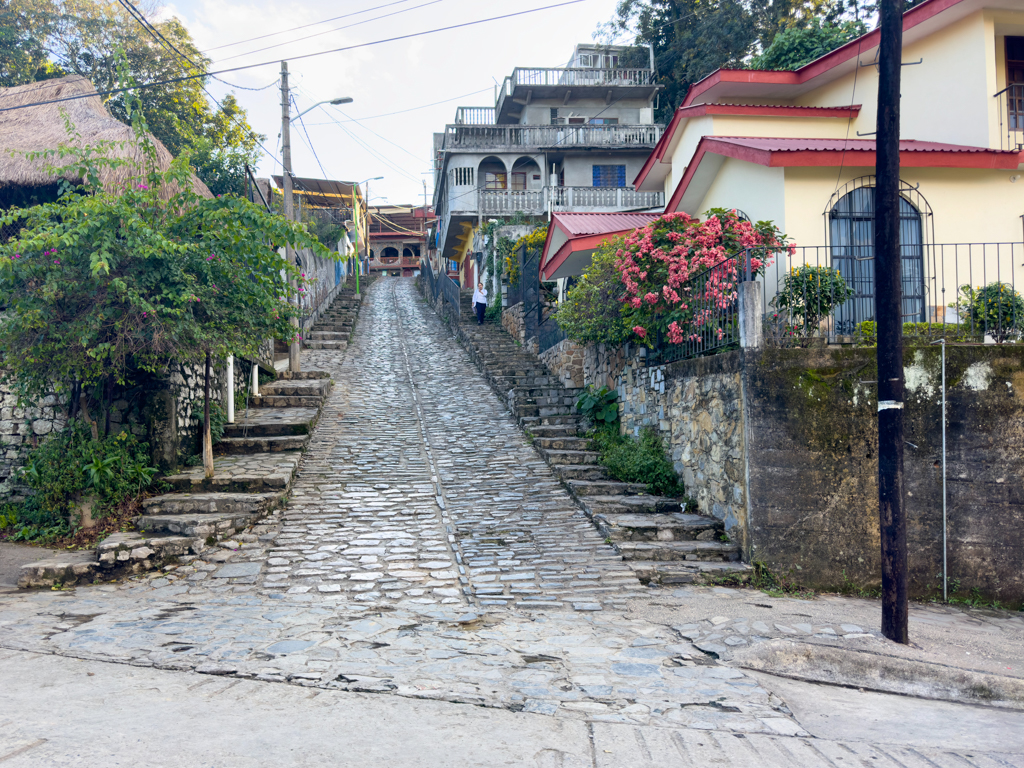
(541, 137)
(474, 116)
(528, 83)
(1010, 103)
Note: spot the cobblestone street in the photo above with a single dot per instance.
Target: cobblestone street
(428, 552)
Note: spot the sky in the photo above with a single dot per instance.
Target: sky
(364, 139)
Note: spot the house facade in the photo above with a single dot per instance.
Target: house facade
(559, 139)
(797, 148)
(398, 238)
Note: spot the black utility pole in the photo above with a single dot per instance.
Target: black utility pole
(889, 317)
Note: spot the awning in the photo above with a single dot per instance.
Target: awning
(574, 237)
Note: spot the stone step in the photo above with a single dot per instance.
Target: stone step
(541, 411)
(285, 401)
(557, 457)
(643, 504)
(562, 443)
(172, 504)
(272, 422)
(528, 422)
(338, 345)
(672, 526)
(678, 550)
(211, 528)
(302, 375)
(253, 444)
(246, 473)
(327, 336)
(580, 471)
(687, 571)
(605, 488)
(555, 430)
(286, 388)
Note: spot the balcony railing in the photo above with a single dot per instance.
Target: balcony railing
(1010, 103)
(581, 77)
(536, 201)
(607, 198)
(498, 136)
(474, 116)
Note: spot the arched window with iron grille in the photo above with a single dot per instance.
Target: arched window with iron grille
(850, 225)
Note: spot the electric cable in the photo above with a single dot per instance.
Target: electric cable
(328, 31)
(155, 33)
(304, 26)
(242, 67)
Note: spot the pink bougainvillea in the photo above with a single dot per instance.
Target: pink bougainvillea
(681, 274)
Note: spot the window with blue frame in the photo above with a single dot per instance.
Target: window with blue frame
(609, 175)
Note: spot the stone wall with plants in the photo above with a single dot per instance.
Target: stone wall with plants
(697, 407)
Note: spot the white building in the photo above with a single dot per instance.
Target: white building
(562, 139)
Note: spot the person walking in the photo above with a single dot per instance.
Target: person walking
(480, 302)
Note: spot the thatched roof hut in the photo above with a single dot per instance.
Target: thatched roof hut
(24, 181)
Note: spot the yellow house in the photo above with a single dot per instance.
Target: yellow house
(797, 148)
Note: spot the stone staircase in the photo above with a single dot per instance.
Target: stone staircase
(255, 463)
(657, 537)
(334, 327)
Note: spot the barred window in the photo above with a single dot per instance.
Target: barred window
(463, 177)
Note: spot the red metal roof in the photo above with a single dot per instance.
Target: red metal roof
(848, 145)
(578, 224)
(807, 153)
(823, 65)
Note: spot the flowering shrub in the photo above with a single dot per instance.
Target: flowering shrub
(657, 261)
(592, 310)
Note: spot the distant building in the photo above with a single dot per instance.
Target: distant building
(398, 238)
(561, 139)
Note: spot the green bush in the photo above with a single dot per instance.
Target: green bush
(592, 310)
(917, 334)
(69, 464)
(600, 406)
(996, 310)
(811, 293)
(629, 460)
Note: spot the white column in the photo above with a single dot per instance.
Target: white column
(231, 389)
(255, 379)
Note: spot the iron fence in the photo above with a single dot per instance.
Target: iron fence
(959, 291)
(709, 316)
(962, 292)
(428, 272)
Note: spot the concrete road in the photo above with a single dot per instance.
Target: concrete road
(58, 711)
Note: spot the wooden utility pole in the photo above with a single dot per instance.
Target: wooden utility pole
(294, 364)
(889, 317)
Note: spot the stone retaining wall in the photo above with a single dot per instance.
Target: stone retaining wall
(697, 407)
(513, 322)
(565, 360)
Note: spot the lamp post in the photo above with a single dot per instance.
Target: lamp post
(286, 161)
(355, 207)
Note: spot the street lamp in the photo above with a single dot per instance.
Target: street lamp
(286, 161)
(340, 100)
(355, 207)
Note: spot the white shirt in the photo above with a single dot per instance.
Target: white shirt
(480, 296)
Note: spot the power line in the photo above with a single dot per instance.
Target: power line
(328, 31)
(304, 26)
(411, 109)
(309, 140)
(296, 58)
(136, 14)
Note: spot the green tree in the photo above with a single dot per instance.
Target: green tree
(104, 288)
(101, 41)
(23, 55)
(795, 46)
